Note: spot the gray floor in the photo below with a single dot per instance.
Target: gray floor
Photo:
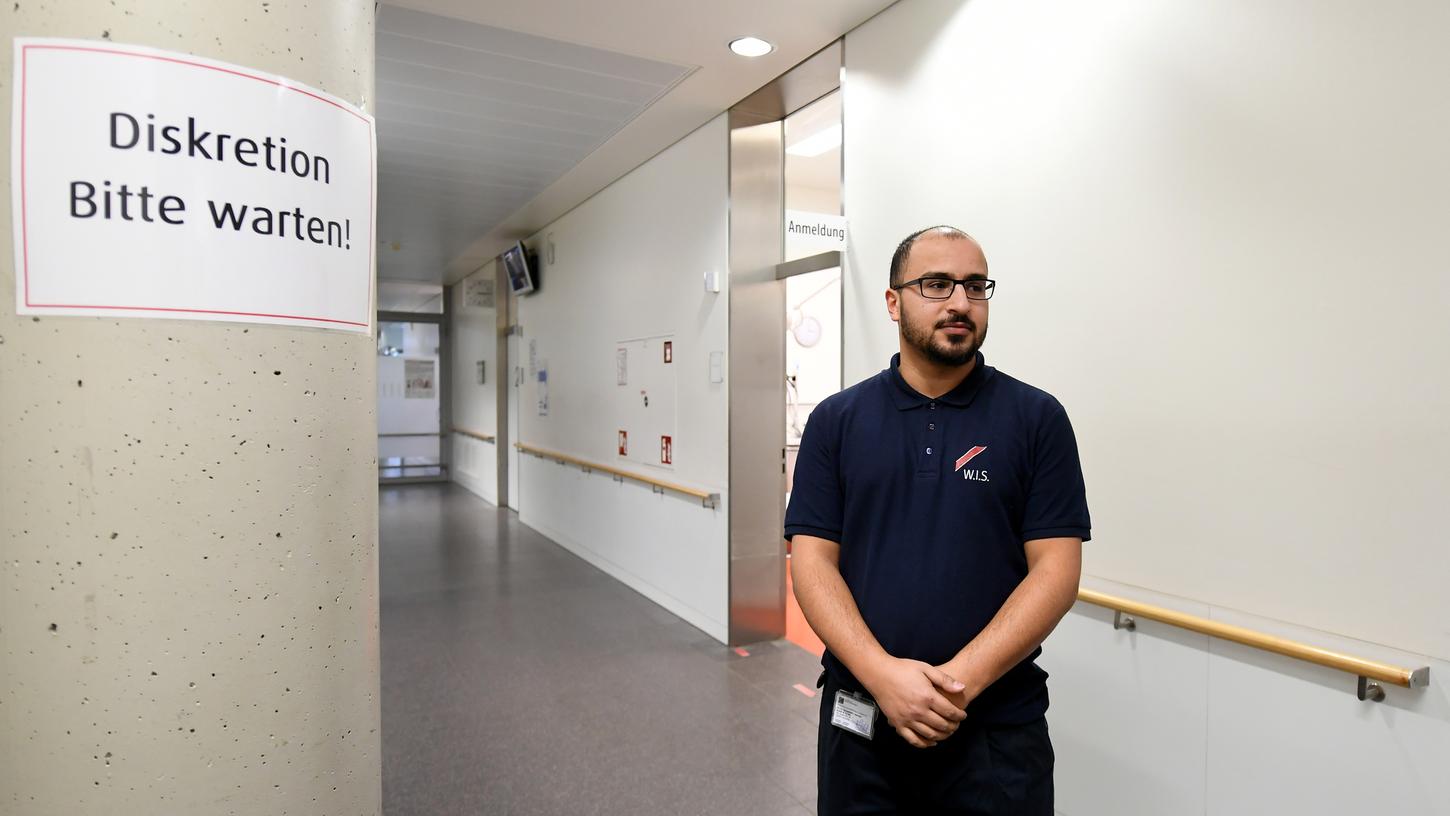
(518, 679)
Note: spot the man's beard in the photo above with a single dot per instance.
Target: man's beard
(947, 350)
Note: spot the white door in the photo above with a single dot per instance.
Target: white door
(515, 381)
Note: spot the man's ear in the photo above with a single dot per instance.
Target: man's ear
(893, 305)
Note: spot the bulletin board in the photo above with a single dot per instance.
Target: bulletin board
(644, 404)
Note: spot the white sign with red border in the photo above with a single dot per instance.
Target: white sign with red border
(149, 183)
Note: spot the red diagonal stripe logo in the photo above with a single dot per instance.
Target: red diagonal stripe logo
(969, 456)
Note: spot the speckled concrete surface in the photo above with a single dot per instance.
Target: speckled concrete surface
(518, 679)
(188, 563)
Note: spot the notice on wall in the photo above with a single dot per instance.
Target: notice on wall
(150, 183)
(810, 233)
(644, 402)
(542, 390)
(418, 379)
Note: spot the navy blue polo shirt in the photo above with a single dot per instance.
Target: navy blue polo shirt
(931, 501)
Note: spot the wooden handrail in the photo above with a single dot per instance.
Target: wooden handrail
(475, 434)
(1384, 672)
(708, 499)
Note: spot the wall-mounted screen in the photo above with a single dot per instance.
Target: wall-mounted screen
(520, 274)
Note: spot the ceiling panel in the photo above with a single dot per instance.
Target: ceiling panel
(488, 128)
(446, 30)
(424, 171)
(474, 121)
(422, 165)
(514, 90)
(447, 141)
(490, 109)
(532, 74)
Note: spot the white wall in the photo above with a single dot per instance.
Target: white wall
(1164, 721)
(474, 463)
(1218, 229)
(629, 263)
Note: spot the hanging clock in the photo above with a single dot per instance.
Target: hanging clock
(807, 332)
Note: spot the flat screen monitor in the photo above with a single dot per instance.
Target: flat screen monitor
(516, 265)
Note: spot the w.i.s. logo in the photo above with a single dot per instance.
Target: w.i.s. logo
(970, 474)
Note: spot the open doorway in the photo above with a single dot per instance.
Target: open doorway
(813, 243)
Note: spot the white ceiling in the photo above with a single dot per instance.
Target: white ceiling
(495, 118)
(409, 296)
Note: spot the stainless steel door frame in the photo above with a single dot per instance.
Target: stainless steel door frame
(756, 502)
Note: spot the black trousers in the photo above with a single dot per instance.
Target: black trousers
(1001, 770)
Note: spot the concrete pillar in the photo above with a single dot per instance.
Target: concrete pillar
(188, 510)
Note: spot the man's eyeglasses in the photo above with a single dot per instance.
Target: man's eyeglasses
(942, 288)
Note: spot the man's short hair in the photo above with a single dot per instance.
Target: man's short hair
(903, 249)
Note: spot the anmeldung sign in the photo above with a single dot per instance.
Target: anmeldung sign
(807, 233)
(149, 183)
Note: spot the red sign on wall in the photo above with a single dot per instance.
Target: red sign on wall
(667, 454)
(623, 443)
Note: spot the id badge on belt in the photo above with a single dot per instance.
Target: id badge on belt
(855, 713)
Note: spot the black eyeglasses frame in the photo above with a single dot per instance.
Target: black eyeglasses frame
(991, 287)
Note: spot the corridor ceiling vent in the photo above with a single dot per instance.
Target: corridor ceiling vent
(751, 47)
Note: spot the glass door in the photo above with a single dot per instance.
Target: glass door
(814, 224)
(410, 402)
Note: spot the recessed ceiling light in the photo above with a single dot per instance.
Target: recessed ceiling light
(751, 47)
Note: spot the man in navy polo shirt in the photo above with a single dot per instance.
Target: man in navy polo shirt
(936, 524)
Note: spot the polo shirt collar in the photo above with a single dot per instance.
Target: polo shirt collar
(905, 397)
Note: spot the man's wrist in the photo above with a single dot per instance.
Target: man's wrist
(869, 667)
(961, 668)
